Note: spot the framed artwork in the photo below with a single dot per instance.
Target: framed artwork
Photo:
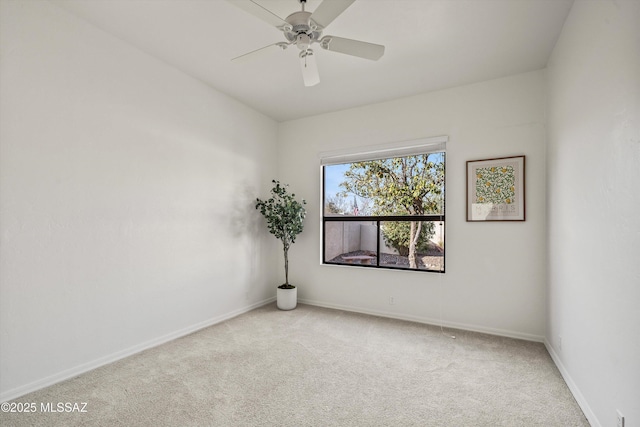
(495, 189)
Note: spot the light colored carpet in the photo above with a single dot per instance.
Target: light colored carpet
(319, 367)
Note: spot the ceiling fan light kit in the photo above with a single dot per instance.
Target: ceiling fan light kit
(309, 68)
(303, 29)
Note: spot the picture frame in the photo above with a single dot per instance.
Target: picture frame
(496, 189)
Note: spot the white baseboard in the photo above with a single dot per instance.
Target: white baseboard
(582, 402)
(86, 367)
(429, 321)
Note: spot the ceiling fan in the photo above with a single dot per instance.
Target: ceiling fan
(303, 29)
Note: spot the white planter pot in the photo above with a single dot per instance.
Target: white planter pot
(287, 298)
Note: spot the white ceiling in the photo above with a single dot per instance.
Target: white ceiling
(430, 45)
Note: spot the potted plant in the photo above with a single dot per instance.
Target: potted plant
(285, 220)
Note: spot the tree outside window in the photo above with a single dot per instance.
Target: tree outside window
(398, 203)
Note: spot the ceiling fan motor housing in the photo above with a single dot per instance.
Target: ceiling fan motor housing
(303, 30)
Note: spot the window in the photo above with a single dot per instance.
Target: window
(384, 207)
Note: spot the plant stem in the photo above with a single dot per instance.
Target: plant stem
(286, 265)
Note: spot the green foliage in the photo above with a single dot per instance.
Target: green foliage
(398, 235)
(285, 219)
(496, 185)
(412, 185)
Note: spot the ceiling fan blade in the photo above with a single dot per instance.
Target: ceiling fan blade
(328, 11)
(260, 12)
(352, 47)
(309, 68)
(259, 52)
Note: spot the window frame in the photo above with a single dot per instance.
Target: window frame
(378, 220)
(386, 151)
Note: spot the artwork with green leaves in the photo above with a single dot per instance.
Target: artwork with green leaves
(495, 189)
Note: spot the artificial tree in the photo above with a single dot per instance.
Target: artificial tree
(285, 220)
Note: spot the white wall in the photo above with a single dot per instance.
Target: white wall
(593, 205)
(495, 279)
(126, 192)
(125, 185)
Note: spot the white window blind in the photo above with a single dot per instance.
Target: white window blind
(385, 151)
